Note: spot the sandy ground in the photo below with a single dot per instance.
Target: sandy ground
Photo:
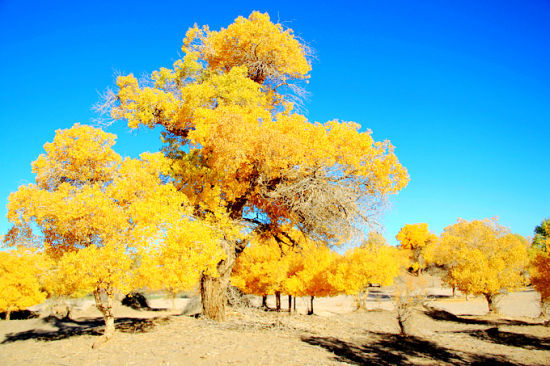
(453, 332)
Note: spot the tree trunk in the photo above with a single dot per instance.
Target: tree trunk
(294, 305)
(310, 310)
(104, 301)
(8, 314)
(264, 301)
(454, 291)
(278, 300)
(491, 303)
(173, 296)
(214, 289)
(289, 303)
(543, 309)
(357, 298)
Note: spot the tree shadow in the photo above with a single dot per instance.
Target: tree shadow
(21, 315)
(393, 349)
(67, 328)
(494, 335)
(439, 314)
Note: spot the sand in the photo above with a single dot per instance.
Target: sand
(449, 331)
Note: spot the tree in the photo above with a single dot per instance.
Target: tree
(483, 258)
(238, 146)
(261, 269)
(19, 280)
(96, 212)
(317, 266)
(541, 239)
(369, 264)
(540, 278)
(415, 237)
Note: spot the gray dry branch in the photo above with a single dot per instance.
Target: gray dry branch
(323, 204)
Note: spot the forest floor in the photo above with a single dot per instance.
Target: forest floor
(451, 331)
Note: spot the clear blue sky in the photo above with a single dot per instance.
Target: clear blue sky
(461, 88)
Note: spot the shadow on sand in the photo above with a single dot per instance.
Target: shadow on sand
(393, 349)
(439, 314)
(67, 328)
(494, 335)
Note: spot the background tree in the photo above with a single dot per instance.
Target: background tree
(369, 264)
(483, 258)
(540, 278)
(261, 269)
(541, 239)
(238, 145)
(415, 237)
(95, 212)
(19, 280)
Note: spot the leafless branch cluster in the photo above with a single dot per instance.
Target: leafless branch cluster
(323, 206)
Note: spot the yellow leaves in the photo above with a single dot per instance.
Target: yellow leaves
(540, 274)
(414, 236)
(19, 280)
(98, 231)
(360, 267)
(482, 257)
(269, 52)
(78, 154)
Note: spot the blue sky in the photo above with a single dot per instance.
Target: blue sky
(462, 89)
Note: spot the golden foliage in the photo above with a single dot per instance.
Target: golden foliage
(19, 280)
(415, 238)
(482, 257)
(540, 275)
(101, 217)
(370, 264)
(233, 148)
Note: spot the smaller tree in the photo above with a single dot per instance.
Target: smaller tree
(540, 278)
(414, 238)
(369, 264)
(261, 269)
(483, 258)
(19, 281)
(541, 240)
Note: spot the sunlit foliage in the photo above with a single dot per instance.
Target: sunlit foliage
(96, 213)
(414, 238)
(19, 280)
(238, 146)
(541, 239)
(482, 258)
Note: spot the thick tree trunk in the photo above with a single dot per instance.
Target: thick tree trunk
(104, 301)
(491, 303)
(310, 310)
(214, 289)
(289, 303)
(278, 300)
(264, 301)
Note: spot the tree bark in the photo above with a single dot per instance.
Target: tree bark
(264, 301)
(8, 314)
(294, 305)
(214, 289)
(543, 309)
(289, 303)
(278, 300)
(491, 303)
(310, 310)
(104, 297)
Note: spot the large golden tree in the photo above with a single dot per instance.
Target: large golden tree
(238, 145)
